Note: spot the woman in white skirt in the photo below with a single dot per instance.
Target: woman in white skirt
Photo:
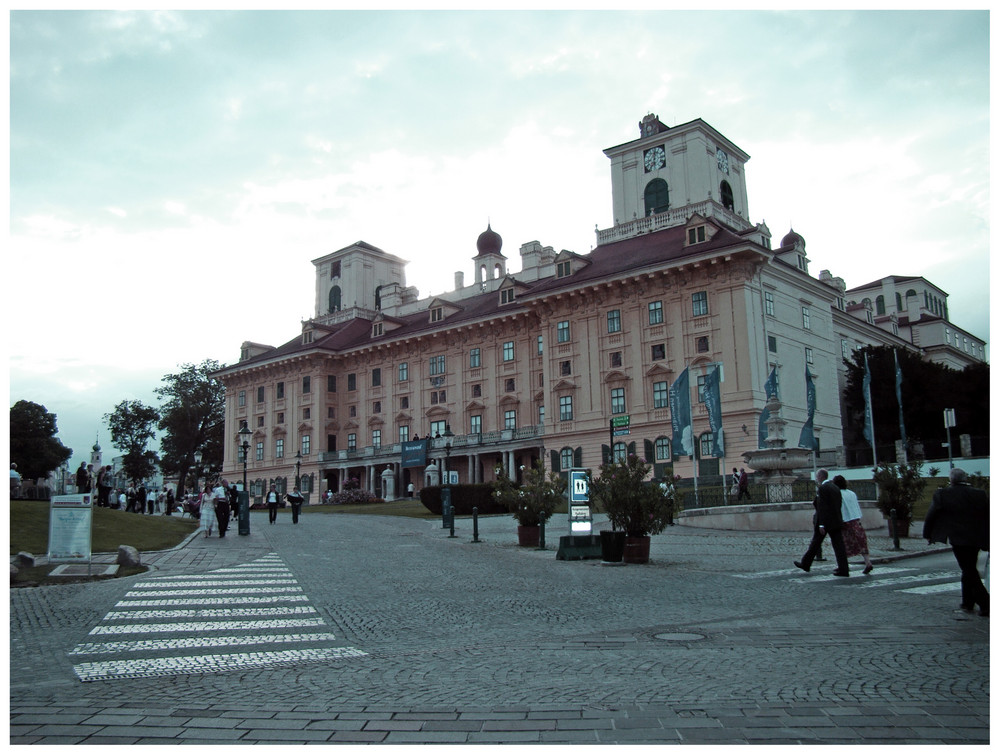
(207, 511)
(855, 539)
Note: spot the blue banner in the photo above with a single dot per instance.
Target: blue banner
(899, 398)
(807, 438)
(713, 403)
(414, 453)
(680, 415)
(866, 388)
(770, 389)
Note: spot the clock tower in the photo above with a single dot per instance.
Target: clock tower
(673, 172)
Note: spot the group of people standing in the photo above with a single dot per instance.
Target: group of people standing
(217, 505)
(138, 500)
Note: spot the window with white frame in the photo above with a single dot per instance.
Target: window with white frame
(655, 312)
(508, 351)
(699, 303)
(806, 318)
(279, 448)
(661, 395)
(259, 451)
(437, 365)
(562, 332)
(617, 400)
(565, 408)
(510, 419)
(475, 358)
(769, 303)
(403, 372)
(306, 445)
(662, 449)
(615, 321)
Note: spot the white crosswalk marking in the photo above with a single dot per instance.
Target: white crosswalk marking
(163, 616)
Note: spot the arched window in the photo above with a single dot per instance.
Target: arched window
(378, 298)
(880, 305)
(619, 452)
(726, 192)
(899, 302)
(707, 445)
(566, 458)
(335, 299)
(662, 449)
(657, 196)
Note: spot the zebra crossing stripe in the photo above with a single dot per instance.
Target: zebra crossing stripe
(910, 579)
(206, 626)
(206, 664)
(208, 613)
(931, 589)
(216, 591)
(207, 601)
(183, 643)
(216, 583)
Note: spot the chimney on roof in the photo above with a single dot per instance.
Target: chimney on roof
(459, 280)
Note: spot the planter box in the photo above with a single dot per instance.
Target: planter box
(578, 547)
(612, 546)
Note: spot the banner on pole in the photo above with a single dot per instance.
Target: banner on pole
(680, 415)
(807, 438)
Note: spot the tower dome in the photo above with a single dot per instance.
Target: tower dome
(489, 241)
(792, 239)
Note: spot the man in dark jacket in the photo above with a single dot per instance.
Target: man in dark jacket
(826, 521)
(960, 515)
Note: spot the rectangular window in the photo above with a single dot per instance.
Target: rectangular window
(305, 445)
(507, 296)
(562, 332)
(404, 402)
(306, 384)
(260, 395)
(655, 312)
(331, 443)
(565, 368)
(260, 420)
(661, 395)
(844, 348)
(477, 390)
(376, 377)
(539, 345)
(306, 413)
(510, 419)
(259, 451)
(352, 441)
(809, 355)
(769, 303)
(541, 414)
(438, 428)
(565, 408)
(508, 351)
(377, 438)
(437, 314)
(615, 321)
(403, 372)
(772, 344)
(377, 407)
(699, 303)
(437, 365)
(508, 385)
(279, 390)
(476, 424)
(805, 318)
(331, 383)
(279, 448)
(701, 344)
(659, 351)
(281, 418)
(404, 433)
(701, 389)
(616, 359)
(563, 269)
(242, 399)
(352, 382)
(617, 400)
(475, 358)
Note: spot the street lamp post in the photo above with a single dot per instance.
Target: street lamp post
(197, 470)
(298, 466)
(447, 510)
(244, 515)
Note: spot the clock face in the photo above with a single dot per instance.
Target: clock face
(654, 158)
(723, 159)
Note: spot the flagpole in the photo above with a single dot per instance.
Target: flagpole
(869, 417)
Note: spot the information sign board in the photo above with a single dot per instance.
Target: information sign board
(70, 524)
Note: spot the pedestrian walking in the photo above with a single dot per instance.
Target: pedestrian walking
(295, 499)
(960, 515)
(234, 501)
(855, 539)
(170, 501)
(220, 501)
(273, 499)
(150, 500)
(826, 521)
(409, 490)
(207, 511)
(82, 479)
(743, 486)
(668, 492)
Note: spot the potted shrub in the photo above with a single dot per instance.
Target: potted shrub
(634, 505)
(899, 486)
(532, 502)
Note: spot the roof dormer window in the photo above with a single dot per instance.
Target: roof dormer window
(696, 235)
(506, 295)
(563, 269)
(437, 314)
(377, 329)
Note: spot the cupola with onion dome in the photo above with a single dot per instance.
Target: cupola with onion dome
(490, 262)
(793, 251)
(793, 239)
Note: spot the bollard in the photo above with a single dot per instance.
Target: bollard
(541, 535)
(475, 524)
(895, 530)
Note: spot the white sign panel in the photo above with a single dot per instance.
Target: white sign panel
(70, 520)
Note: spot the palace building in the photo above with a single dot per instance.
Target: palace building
(537, 363)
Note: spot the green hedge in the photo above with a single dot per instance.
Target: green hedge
(463, 499)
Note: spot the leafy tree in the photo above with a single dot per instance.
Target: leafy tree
(632, 503)
(132, 426)
(33, 443)
(534, 501)
(193, 419)
(928, 389)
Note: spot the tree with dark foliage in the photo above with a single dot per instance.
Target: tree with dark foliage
(34, 446)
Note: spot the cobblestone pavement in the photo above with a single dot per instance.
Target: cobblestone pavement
(411, 636)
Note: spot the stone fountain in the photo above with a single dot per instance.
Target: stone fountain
(774, 464)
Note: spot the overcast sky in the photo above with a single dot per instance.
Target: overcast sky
(173, 174)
